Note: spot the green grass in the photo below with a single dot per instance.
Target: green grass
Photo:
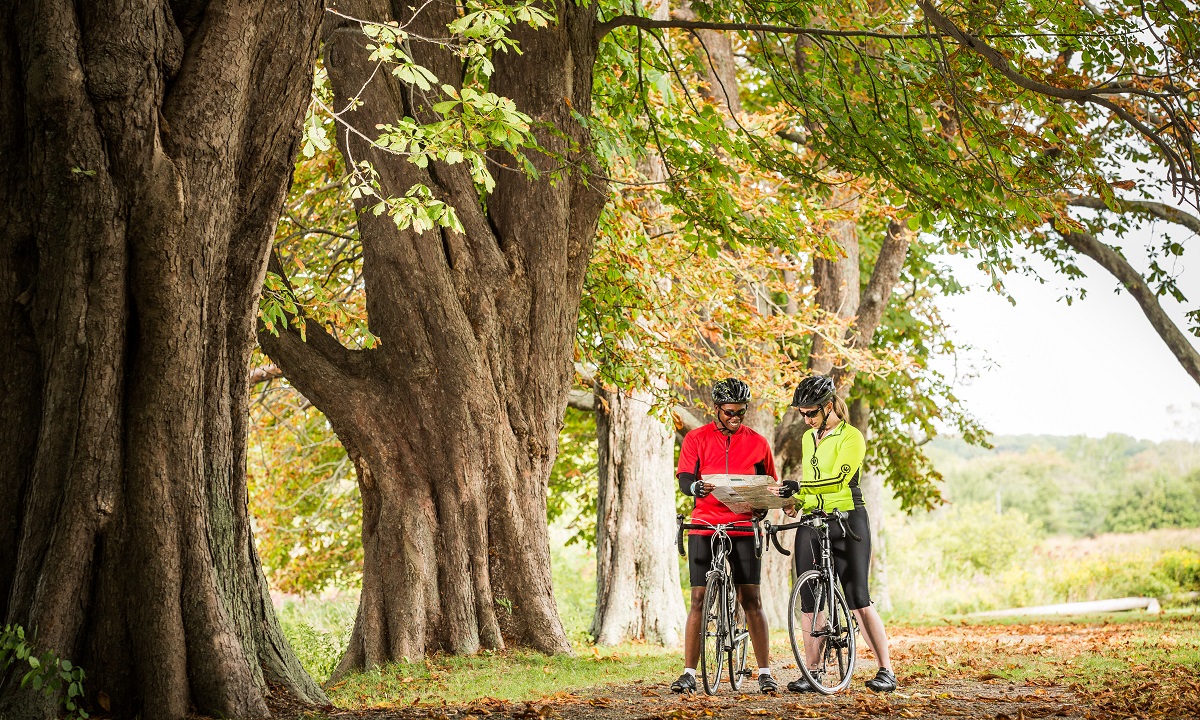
(511, 675)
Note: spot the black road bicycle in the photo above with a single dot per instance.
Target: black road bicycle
(820, 624)
(723, 631)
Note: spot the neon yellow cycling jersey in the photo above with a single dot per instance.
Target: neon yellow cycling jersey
(827, 474)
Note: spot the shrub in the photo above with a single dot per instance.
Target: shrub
(1181, 567)
(974, 539)
(318, 652)
(47, 673)
(319, 631)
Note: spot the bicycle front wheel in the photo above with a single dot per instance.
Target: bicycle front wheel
(739, 639)
(713, 631)
(822, 633)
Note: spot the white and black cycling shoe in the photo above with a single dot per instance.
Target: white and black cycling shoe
(767, 684)
(884, 681)
(685, 684)
(801, 685)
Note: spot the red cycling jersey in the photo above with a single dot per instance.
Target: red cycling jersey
(708, 451)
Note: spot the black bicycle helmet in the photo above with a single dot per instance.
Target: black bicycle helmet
(813, 391)
(730, 390)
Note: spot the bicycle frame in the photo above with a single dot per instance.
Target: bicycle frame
(728, 634)
(825, 624)
(827, 571)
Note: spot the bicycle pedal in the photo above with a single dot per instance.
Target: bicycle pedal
(745, 672)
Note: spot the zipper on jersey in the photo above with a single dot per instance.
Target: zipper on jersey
(728, 442)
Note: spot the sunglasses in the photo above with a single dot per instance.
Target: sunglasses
(734, 413)
(809, 414)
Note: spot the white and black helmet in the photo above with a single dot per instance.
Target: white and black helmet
(730, 390)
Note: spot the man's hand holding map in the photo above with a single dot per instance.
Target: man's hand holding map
(746, 493)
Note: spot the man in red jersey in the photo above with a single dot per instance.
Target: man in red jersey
(724, 447)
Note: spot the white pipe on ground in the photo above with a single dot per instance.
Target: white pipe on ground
(1150, 605)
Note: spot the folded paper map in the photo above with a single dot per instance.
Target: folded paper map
(746, 493)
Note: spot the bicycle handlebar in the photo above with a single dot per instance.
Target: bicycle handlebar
(752, 525)
(811, 520)
(775, 540)
(770, 531)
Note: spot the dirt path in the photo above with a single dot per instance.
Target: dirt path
(1096, 671)
(932, 699)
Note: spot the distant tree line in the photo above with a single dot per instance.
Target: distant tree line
(1077, 485)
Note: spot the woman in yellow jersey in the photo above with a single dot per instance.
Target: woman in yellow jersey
(832, 452)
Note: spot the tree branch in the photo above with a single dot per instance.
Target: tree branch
(884, 277)
(1132, 280)
(1141, 207)
(792, 136)
(650, 24)
(875, 298)
(1002, 64)
(317, 365)
(687, 418)
(581, 400)
(264, 373)
(1184, 176)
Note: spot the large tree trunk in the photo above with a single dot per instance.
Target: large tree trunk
(147, 151)
(638, 595)
(452, 421)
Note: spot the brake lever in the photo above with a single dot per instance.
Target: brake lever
(846, 528)
(679, 535)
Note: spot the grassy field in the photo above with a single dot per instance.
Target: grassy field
(513, 675)
(972, 559)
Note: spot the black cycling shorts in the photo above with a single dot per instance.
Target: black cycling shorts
(851, 558)
(745, 568)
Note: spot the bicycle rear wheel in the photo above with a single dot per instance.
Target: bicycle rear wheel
(713, 631)
(822, 633)
(739, 640)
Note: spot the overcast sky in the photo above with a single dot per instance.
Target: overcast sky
(1092, 368)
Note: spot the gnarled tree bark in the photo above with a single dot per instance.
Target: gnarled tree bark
(147, 151)
(452, 421)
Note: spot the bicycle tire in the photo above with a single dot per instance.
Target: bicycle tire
(739, 641)
(713, 630)
(834, 634)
